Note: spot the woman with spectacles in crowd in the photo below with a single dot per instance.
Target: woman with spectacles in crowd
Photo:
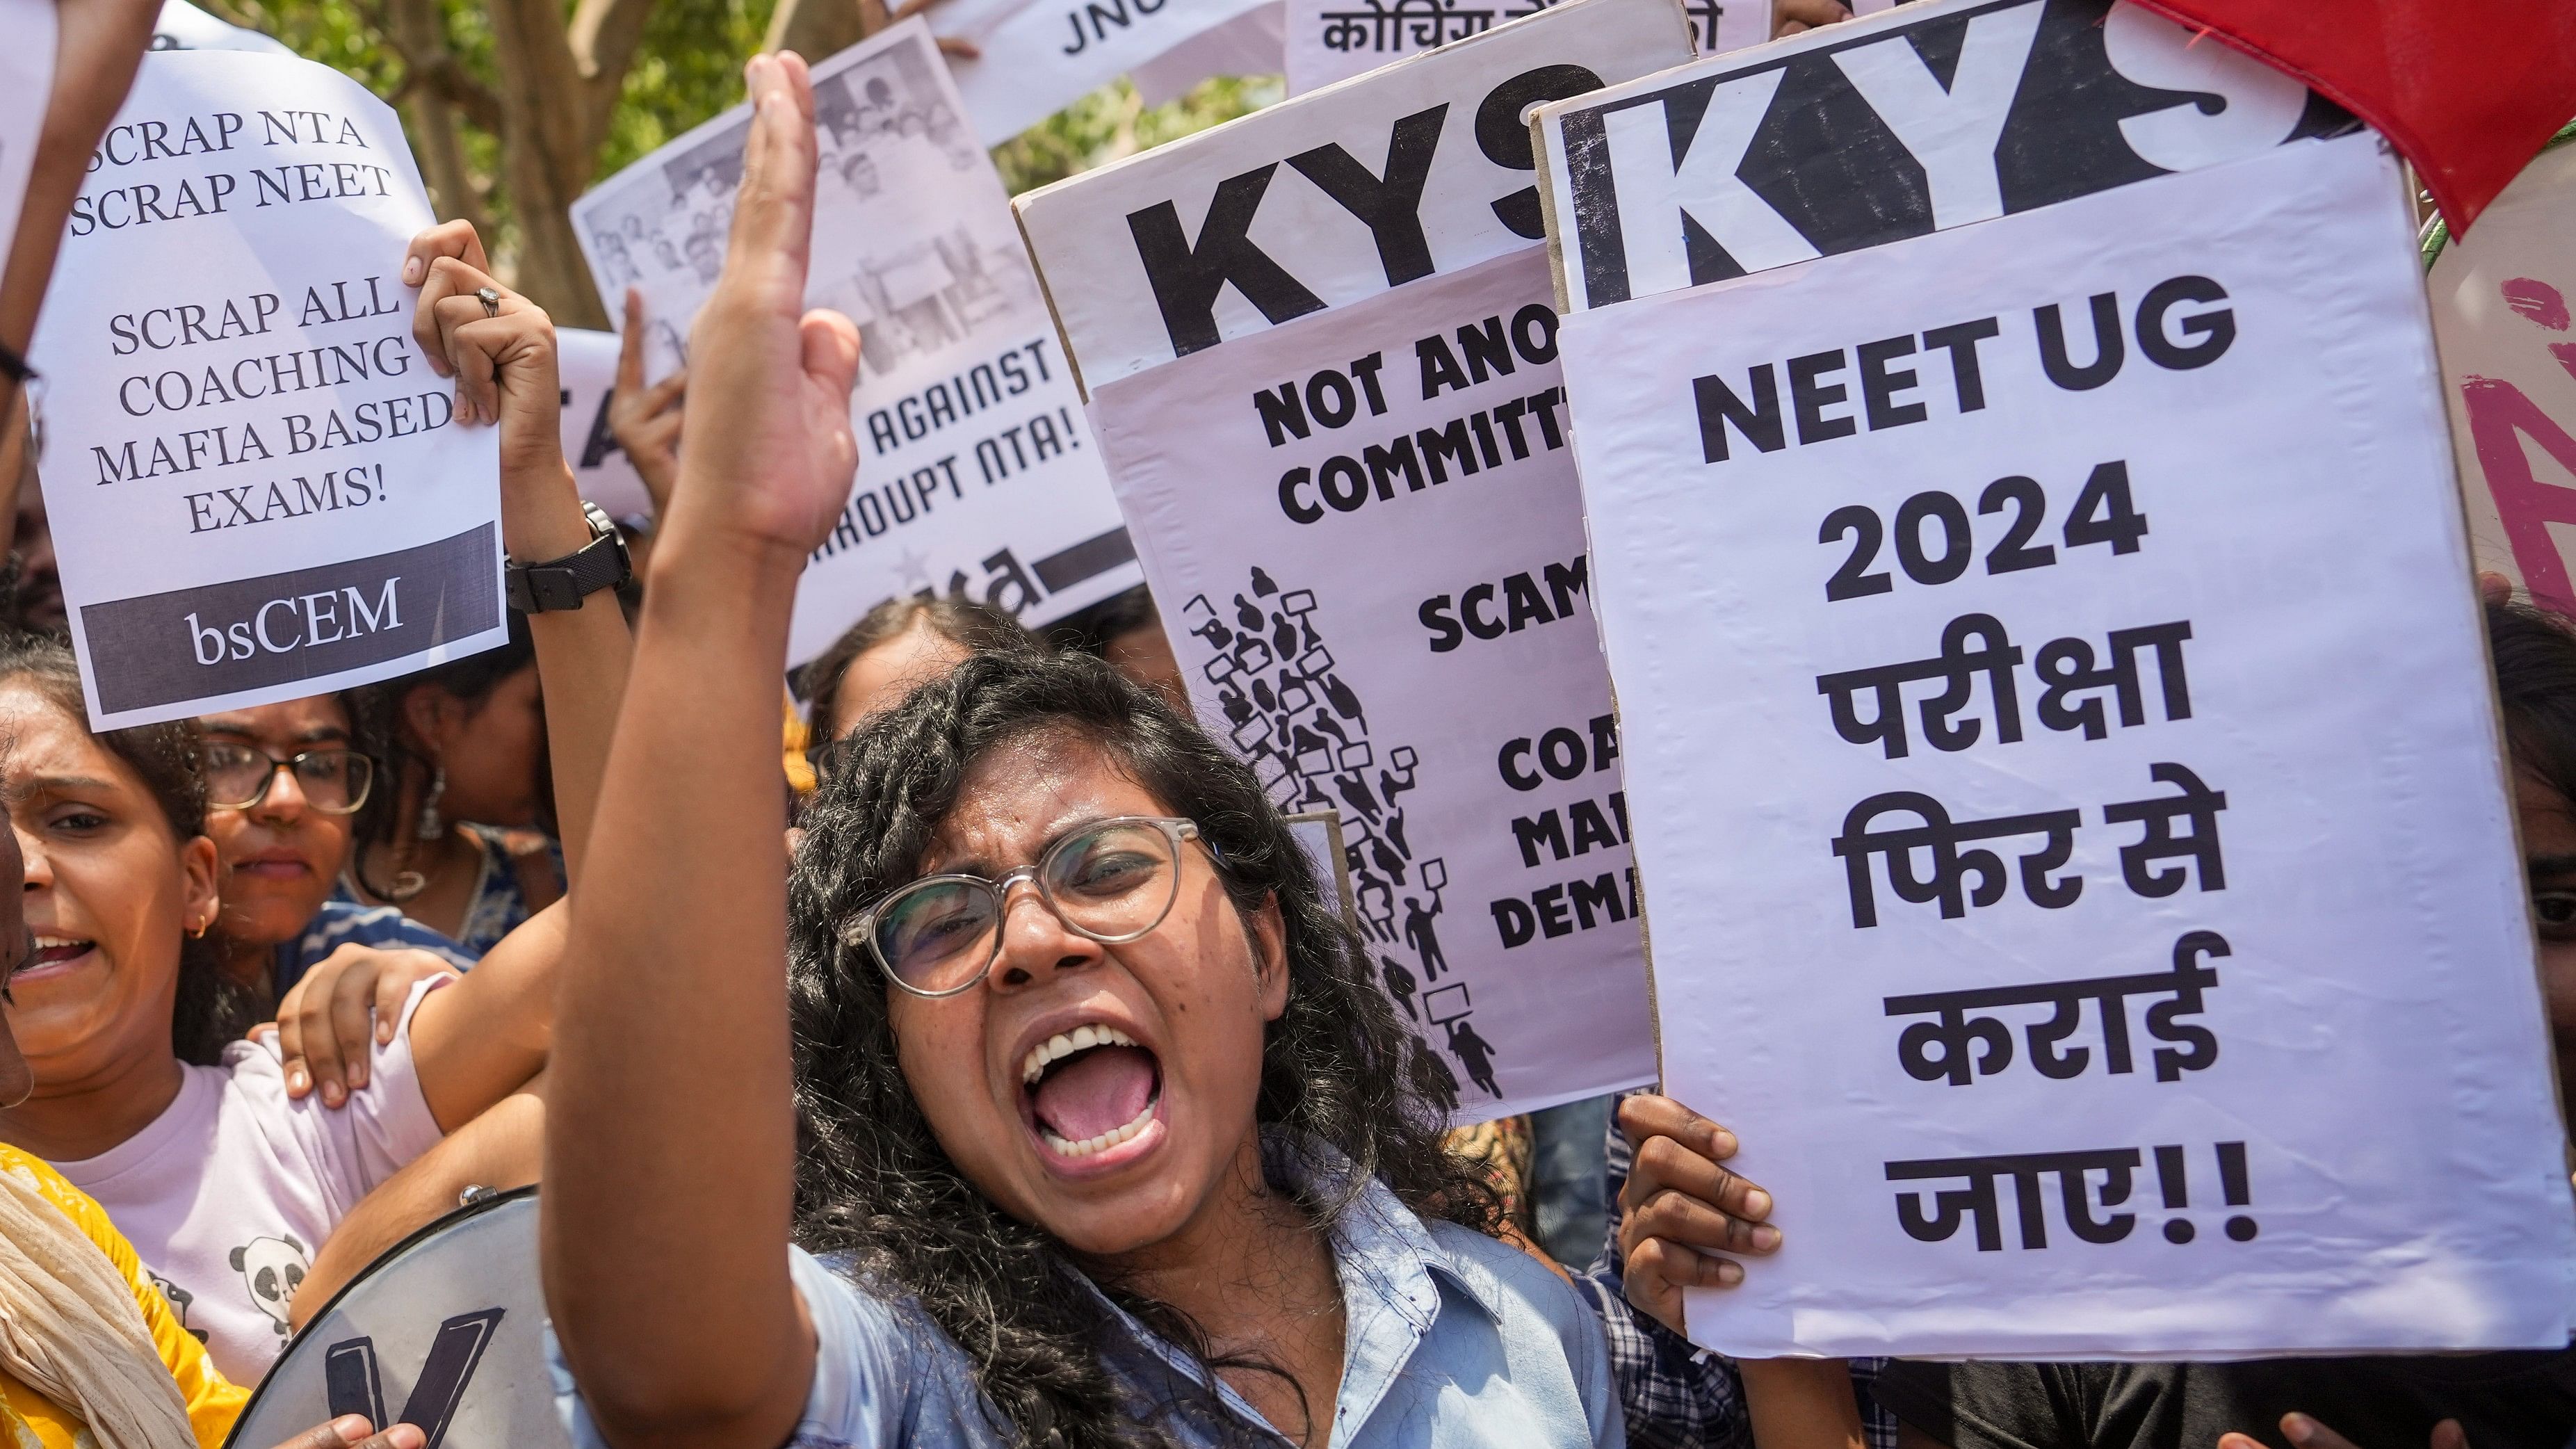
(1108, 1134)
(283, 783)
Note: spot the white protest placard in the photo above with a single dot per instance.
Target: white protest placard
(977, 474)
(26, 84)
(2101, 948)
(1324, 201)
(1928, 116)
(1035, 57)
(2504, 311)
(256, 486)
(1333, 40)
(1362, 526)
(586, 362)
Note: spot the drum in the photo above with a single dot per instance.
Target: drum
(446, 1332)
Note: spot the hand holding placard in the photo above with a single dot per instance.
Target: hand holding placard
(503, 359)
(1681, 1208)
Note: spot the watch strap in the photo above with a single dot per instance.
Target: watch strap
(563, 583)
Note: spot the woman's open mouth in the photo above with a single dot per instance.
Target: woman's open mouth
(1090, 1092)
(54, 953)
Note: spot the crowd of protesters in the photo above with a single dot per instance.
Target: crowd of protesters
(982, 1064)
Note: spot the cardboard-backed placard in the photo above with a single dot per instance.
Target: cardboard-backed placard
(1333, 40)
(2502, 296)
(977, 474)
(2100, 948)
(1362, 526)
(26, 84)
(1035, 57)
(256, 485)
(1420, 169)
(1924, 117)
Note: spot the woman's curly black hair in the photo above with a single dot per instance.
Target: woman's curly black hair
(211, 1010)
(872, 1182)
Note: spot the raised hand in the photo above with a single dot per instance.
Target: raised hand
(502, 356)
(645, 421)
(769, 456)
(1682, 1210)
(98, 44)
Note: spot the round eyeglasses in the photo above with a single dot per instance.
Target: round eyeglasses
(1111, 880)
(333, 781)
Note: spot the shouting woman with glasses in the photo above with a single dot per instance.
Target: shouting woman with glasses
(1078, 1097)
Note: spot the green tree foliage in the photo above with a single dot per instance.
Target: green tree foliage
(1113, 122)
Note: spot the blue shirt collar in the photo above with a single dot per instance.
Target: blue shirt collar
(1386, 1259)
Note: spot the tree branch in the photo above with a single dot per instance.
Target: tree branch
(604, 37)
(447, 78)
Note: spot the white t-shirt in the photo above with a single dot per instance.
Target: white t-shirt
(233, 1188)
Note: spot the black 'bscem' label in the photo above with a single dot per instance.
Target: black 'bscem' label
(251, 633)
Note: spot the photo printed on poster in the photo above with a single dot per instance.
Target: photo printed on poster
(977, 473)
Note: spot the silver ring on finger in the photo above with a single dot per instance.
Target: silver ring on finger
(491, 300)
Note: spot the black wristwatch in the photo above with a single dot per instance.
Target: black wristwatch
(563, 583)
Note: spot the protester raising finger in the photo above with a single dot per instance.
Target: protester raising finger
(97, 45)
(645, 420)
(1056, 1123)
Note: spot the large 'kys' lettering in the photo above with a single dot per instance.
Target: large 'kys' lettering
(1187, 273)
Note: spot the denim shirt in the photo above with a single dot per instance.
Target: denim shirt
(1452, 1339)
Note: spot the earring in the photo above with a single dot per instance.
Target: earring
(202, 928)
(430, 827)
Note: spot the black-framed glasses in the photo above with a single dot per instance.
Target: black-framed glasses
(333, 780)
(1111, 880)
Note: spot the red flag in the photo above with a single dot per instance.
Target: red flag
(2467, 89)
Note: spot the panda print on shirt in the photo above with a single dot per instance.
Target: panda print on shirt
(271, 1270)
